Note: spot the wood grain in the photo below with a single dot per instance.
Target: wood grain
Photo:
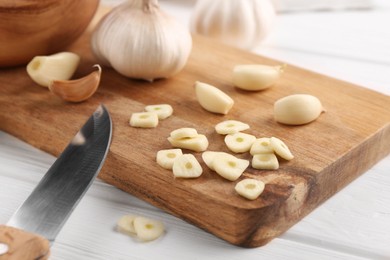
(343, 143)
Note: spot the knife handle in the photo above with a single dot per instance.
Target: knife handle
(22, 245)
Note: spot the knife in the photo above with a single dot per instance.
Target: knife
(34, 226)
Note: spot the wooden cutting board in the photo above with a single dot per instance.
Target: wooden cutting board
(343, 143)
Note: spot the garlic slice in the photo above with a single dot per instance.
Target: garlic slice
(208, 158)
(125, 225)
(281, 148)
(144, 120)
(197, 143)
(60, 66)
(265, 161)
(184, 132)
(163, 111)
(250, 188)
(261, 145)
(148, 229)
(166, 158)
(229, 166)
(77, 90)
(213, 99)
(186, 166)
(239, 142)
(230, 127)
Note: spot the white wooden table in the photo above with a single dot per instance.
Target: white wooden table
(354, 224)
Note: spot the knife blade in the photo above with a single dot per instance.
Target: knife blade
(34, 226)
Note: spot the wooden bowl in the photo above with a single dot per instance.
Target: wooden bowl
(40, 27)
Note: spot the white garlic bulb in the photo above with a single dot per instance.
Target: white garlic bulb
(140, 41)
(241, 23)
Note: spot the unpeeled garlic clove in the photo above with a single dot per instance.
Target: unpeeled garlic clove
(256, 77)
(77, 90)
(44, 69)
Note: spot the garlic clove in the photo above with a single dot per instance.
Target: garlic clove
(256, 77)
(77, 90)
(60, 66)
(213, 99)
(297, 109)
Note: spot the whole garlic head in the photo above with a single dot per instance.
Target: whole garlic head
(140, 41)
(241, 23)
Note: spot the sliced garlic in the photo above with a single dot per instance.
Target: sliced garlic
(165, 158)
(44, 69)
(281, 148)
(77, 90)
(256, 77)
(261, 145)
(198, 143)
(230, 127)
(144, 120)
(297, 109)
(125, 225)
(208, 158)
(250, 188)
(186, 166)
(148, 229)
(213, 99)
(185, 132)
(239, 142)
(265, 161)
(163, 111)
(229, 166)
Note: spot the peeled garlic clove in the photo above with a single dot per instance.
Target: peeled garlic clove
(256, 77)
(44, 69)
(297, 109)
(140, 41)
(148, 229)
(77, 90)
(213, 99)
(250, 188)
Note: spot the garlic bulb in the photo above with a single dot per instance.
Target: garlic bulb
(241, 23)
(140, 41)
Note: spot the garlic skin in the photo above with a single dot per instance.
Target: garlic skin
(140, 41)
(240, 23)
(77, 90)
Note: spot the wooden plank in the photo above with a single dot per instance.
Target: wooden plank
(343, 143)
